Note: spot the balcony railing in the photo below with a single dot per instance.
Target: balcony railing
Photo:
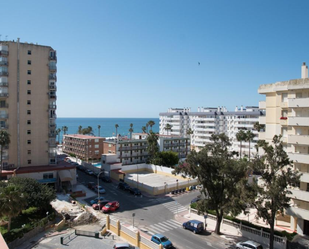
(52, 96)
(4, 115)
(52, 106)
(52, 87)
(4, 73)
(4, 63)
(4, 127)
(299, 121)
(298, 139)
(299, 102)
(4, 84)
(52, 77)
(52, 68)
(6, 105)
(4, 53)
(299, 158)
(52, 135)
(53, 116)
(53, 58)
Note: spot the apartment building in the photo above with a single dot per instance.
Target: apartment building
(287, 113)
(208, 120)
(28, 112)
(84, 147)
(178, 144)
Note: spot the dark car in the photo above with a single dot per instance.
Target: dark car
(123, 186)
(194, 225)
(196, 199)
(91, 185)
(81, 168)
(135, 191)
(105, 178)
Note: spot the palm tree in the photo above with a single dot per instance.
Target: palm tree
(116, 126)
(249, 137)
(189, 132)
(58, 132)
(131, 130)
(99, 127)
(144, 129)
(12, 202)
(240, 136)
(147, 127)
(168, 127)
(4, 141)
(151, 123)
(64, 129)
(80, 128)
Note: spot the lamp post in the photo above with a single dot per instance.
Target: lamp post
(177, 185)
(137, 175)
(98, 187)
(165, 188)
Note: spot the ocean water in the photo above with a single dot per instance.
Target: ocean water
(107, 125)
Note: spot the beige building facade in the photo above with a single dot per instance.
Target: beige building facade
(28, 109)
(287, 113)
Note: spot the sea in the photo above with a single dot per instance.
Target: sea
(107, 125)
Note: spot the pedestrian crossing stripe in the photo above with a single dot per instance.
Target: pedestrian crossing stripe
(156, 229)
(163, 227)
(173, 222)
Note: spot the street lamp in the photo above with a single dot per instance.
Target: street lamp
(177, 185)
(99, 188)
(137, 175)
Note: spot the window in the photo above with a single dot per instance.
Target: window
(28, 132)
(96, 146)
(96, 140)
(29, 72)
(109, 145)
(299, 95)
(29, 122)
(2, 104)
(29, 112)
(29, 92)
(28, 102)
(29, 51)
(29, 82)
(29, 62)
(29, 141)
(284, 97)
(29, 161)
(48, 175)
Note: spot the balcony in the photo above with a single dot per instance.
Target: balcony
(5, 105)
(4, 115)
(262, 120)
(52, 77)
(52, 135)
(299, 121)
(298, 212)
(52, 68)
(299, 158)
(284, 121)
(262, 105)
(4, 53)
(52, 106)
(4, 127)
(53, 58)
(304, 177)
(299, 139)
(299, 102)
(52, 96)
(299, 194)
(4, 84)
(4, 63)
(53, 87)
(4, 73)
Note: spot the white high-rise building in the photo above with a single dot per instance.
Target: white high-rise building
(207, 121)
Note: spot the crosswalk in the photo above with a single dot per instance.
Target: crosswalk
(163, 226)
(174, 207)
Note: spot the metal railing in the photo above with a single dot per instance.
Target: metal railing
(4, 84)
(4, 52)
(4, 73)
(4, 63)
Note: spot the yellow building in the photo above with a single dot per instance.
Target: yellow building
(287, 113)
(28, 111)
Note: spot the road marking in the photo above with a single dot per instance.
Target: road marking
(174, 222)
(209, 244)
(156, 230)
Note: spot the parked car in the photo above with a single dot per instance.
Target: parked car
(135, 191)
(99, 189)
(89, 172)
(98, 206)
(194, 225)
(123, 186)
(105, 178)
(81, 168)
(111, 206)
(74, 163)
(161, 239)
(96, 200)
(121, 246)
(196, 199)
(249, 244)
(91, 185)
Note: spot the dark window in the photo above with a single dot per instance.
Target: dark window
(29, 62)
(28, 91)
(28, 111)
(29, 82)
(28, 121)
(29, 152)
(29, 141)
(29, 51)
(28, 132)
(29, 71)
(48, 176)
(29, 161)
(2, 104)
(28, 102)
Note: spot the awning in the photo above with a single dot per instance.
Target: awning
(65, 175)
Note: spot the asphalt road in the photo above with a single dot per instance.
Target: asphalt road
(157, 215)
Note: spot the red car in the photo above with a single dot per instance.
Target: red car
(98, 206)
(111, 206)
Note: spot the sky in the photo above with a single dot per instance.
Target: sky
(134, 58)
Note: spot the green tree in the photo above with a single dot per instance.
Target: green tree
(99, 128)
(249, 138)
(12, 202)
(144, 129)
(223, 178)
(4, 141)
(147, 125)
(87, 131)
(241, 137)
(58, 133)
(168, 127)
(65, 129)
(39, 195)
(277, 175)
(151, 123)
(258, 127)
(116, 126)
(153, 147)
(189, 132)
(131, 130)
(80, 128)
(168, 158)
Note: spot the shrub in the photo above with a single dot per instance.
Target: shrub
(30, 211)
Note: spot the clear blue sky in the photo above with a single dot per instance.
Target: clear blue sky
(138, 58)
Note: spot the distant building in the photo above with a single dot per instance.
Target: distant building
(287, 113)
(84, 147)
(28, 112)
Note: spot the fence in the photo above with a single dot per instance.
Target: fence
(132, 237)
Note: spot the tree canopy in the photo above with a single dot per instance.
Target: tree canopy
(223, 178)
